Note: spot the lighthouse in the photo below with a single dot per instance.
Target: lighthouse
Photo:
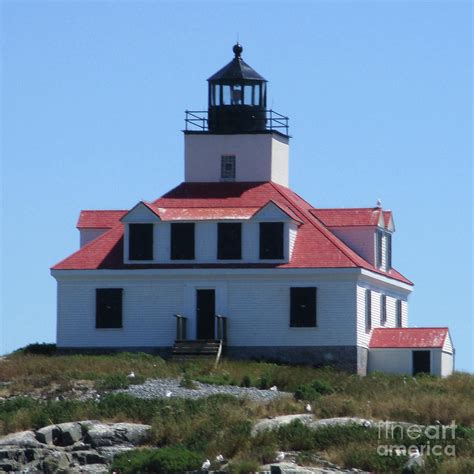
(237, 138)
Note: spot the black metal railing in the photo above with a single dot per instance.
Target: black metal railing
(197, 120)
(180, 327)
(221, 328)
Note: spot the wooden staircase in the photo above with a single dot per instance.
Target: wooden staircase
(184, 351)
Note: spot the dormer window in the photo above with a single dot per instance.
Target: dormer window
(228, 167)
(229, 241)
(378, 248)
(182, 241)
(271, 240)
(140, 242)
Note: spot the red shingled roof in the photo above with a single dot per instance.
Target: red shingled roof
(407, 337)
(315, 247)
(348, 217)
(99, 219)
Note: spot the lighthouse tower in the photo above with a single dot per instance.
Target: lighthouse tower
(237, 139)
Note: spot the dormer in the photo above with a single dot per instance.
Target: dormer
(367, 231)
(237, 138)
(277, 230)
(140, 234)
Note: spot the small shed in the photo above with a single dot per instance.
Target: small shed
(411, 351)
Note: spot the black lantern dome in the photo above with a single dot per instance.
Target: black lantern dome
(237, 98)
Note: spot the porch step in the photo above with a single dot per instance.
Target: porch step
(195, 350)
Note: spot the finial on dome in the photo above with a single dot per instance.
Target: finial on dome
(237, 49)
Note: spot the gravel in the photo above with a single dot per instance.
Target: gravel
(160, 388)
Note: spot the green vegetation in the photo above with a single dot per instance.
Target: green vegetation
(222, 424)
(173, 459)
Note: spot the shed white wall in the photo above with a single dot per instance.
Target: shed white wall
(88, 235)
(259, 157)
(391, 361)
(258, 310)
(400, 361)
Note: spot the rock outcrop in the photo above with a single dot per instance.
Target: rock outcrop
(82, 446)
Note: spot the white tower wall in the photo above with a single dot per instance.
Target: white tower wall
(258, 157)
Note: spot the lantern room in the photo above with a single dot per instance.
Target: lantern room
(237, 98)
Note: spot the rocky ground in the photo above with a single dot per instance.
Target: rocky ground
(84, 446)
(159, 388)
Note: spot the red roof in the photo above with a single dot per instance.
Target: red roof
(407, 337)
(315, 247)
(348, 217)
(99, 219)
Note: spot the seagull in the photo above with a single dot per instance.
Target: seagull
(280, 456)
(206, 465)
(414, 452)
(168, 394)
(274, 388)
(131, 375)
(220, 458)
(308, 408)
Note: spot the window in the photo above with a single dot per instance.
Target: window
(228, 167)
(140, 242)
(378, 249)
(383, 309)
(389, 251)
(229, 241)
(108, 308)
(271, 240)
(302, 307)
(368, 310)
(182, 241)
(398, 315)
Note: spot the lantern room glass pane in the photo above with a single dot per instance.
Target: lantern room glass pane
(257, 95)
(237, 95)
(248, 93)
(226, 95)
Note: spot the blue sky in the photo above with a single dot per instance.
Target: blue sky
(378, 94)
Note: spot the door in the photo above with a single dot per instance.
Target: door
(205, 313)
(421, 362)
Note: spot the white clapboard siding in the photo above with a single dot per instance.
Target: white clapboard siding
(259, 314)
(293, 232)
(448, 345)
(88, 235)
(360, 239)
(447, 364)
(363, 337)
(258, 311)
(148, 310)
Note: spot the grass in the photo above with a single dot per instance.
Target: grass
(222, 424)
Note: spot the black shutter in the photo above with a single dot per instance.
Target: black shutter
(303, 307)
(399, 314)
(229, 241)
(108, 313)
(389, 251)
(271, 240)
(383, 309)
(368, 310)
(140, 242)
(182, 241)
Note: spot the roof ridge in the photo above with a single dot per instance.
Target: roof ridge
(326, 232)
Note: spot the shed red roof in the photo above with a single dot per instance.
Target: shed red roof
(407, 337)
(316, 246)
